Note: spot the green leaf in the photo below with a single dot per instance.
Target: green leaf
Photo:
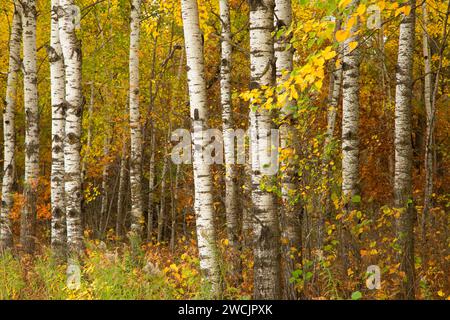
(356, 199)
(356, 295)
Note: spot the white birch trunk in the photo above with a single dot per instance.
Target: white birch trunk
(428, 90)
(58, 230)
(6, 239)
(267, 275)
(28, 216)
(403, 151)
(74, 101)
(231, 208)
(203, 200)
(290, 220)
(120, 228)
(333, 100)
(151, 186)
(350, 117)
(137, 218)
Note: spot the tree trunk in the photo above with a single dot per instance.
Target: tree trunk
(350, 135)
(162, 208)
(105, 177)
(333, 99)
(231, 206)
(151, 185)
(403, 152)
(28, 216)
(290, 220)
(350, 117)
(137, 218)
(429, 131)
(203, 200)
(173, 208)
(120, 228)
(267, 275)
(58, 231)
(71, 48)
(6, 239)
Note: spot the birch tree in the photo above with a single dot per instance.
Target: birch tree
(121, 193)
(137, 219)
(74, 102)
(28, 215)
(403, 151)
(6, 240)
(203, 200)
(267, 275)
(334, 96)
(350, 116)
(290, 220)
(231, 205)
(57, 79)
(428, 84)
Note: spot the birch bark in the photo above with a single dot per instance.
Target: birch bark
(137, 218)
(403, 151)
(267, 274)
(9, 111)
(57, 78)
(28, 215)
(227, 123)
(350, 116)
(203, 200)
(290, 220)
(74, 102)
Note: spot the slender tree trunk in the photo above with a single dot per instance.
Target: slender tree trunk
(137, 218)
(333, 99)
(6, 239)
(350, 117)
(71, 48)
(120, 228)
(162, 208)
(350, 135)
(267, 274)
(231, 205)
(174, 199)
(428, 90)
(58, 231)
(151, 185)
(290, 220)
(28, 216)
(89, 133)
(403, 151)
(105, 177)
(203, 199)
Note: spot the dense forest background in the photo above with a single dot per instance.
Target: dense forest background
(94, 207)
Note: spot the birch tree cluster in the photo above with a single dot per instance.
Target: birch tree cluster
(327, 122)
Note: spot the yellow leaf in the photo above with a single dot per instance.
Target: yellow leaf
(329, 54)
(361, 9)
(342, 35)
(352, 45)
(344, 3)
(407, 10)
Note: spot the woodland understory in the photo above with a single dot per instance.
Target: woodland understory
(98, 200)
